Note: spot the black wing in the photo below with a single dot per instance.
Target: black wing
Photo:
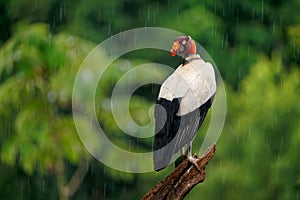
(164, 113)
(174, 132)
(186, 126)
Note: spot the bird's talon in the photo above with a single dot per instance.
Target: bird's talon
(193, 161)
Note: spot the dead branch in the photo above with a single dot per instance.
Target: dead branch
(182, 180)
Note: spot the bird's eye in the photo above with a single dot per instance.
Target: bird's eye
(181, 48)
(183, 42)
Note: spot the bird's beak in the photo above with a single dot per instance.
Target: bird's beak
(172, 52)
(175, 47)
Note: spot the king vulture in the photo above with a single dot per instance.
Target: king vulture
(182, 104)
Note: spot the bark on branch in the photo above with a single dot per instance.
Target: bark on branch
(182, 180)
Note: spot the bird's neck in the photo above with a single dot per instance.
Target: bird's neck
(190, 58)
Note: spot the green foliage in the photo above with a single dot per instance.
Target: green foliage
(40, 134)
(259, 151)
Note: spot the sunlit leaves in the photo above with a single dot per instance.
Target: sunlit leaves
(294, 32)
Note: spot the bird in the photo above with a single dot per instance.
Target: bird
(182, 104)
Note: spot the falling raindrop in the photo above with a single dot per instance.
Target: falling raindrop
(249, 132)
(54, 22)
(92, 168)
(230, 6)
(61, 12)
(274, 27)
(222, 43)
(43, 187)
(237, 21)
(262, 10)
(248, 50)
(28, 185)
(129, 145)
(109, 28)
(93, 192)
(148, 13)
(104, 190)
(9, 129)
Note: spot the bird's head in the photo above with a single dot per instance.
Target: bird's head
(183, 45)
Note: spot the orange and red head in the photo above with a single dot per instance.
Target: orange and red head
(183, 45)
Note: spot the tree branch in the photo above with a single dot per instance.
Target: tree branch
(70, 189)
(182, 180)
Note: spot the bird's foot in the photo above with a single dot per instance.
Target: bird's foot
(193, 160)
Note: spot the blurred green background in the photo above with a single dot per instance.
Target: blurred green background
(255, 44)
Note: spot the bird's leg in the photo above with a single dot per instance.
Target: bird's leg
(182, 151)
(181, 158)
(190, 157)
(190, 150)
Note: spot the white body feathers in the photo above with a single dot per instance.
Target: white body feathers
(193, 82)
